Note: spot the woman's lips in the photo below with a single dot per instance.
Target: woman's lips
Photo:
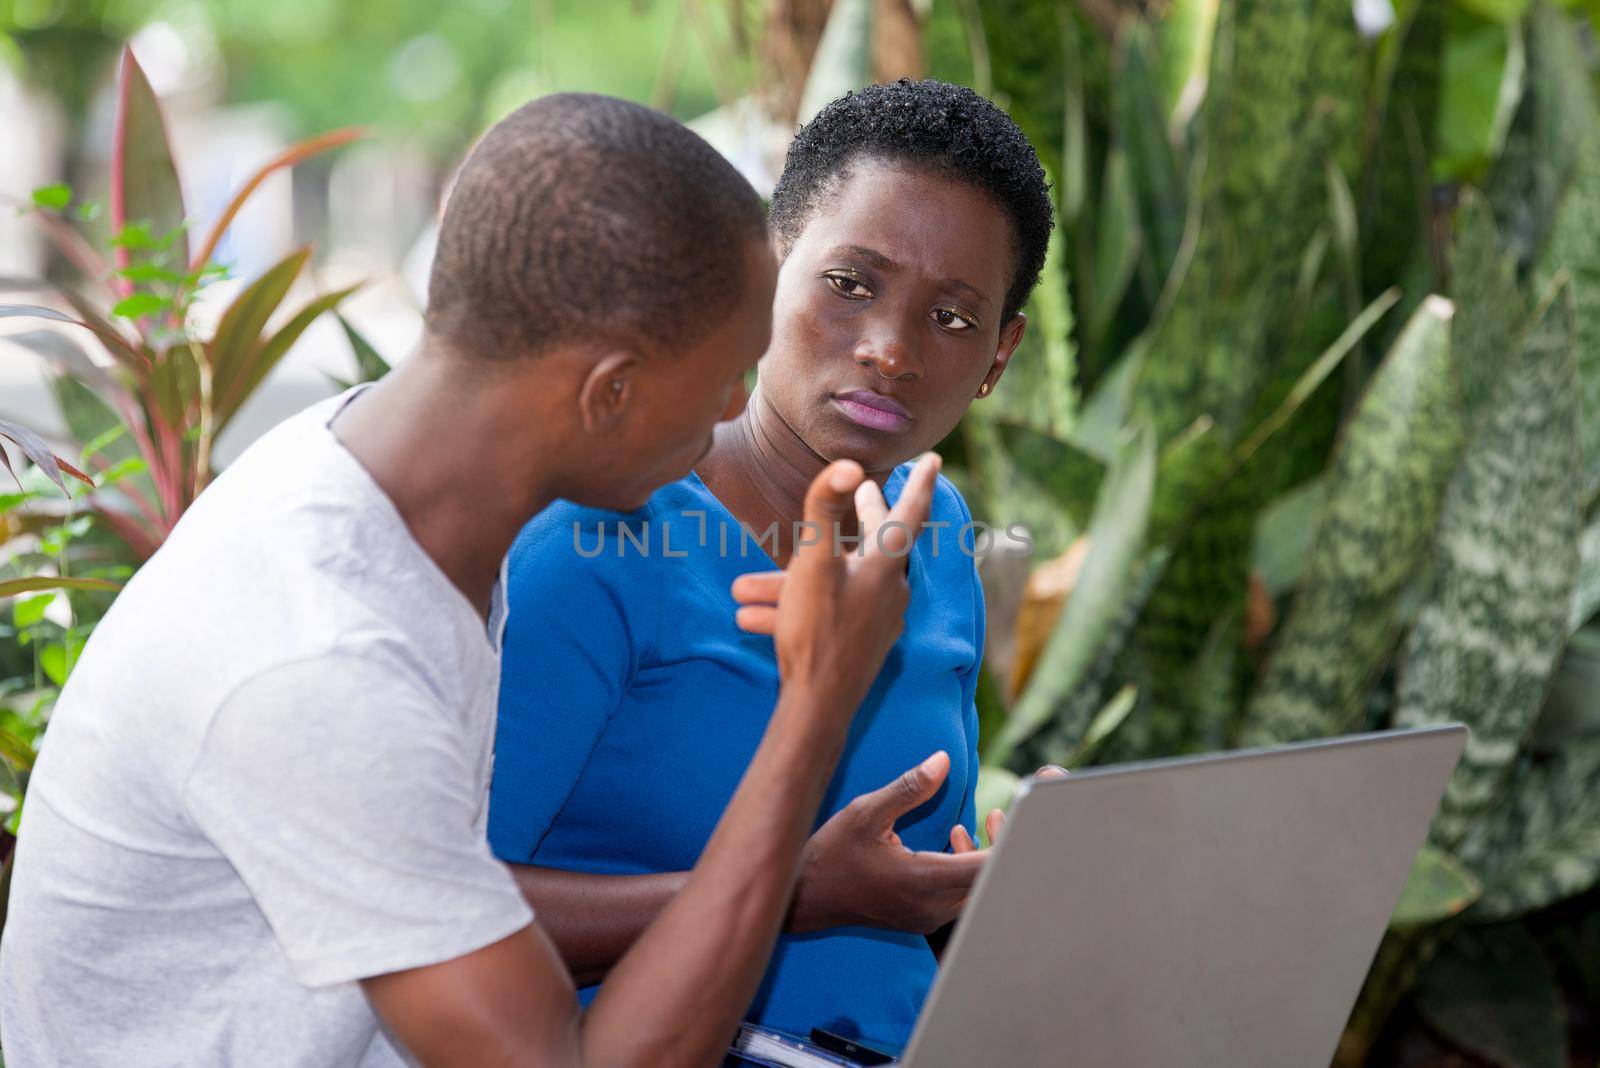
(872, 410)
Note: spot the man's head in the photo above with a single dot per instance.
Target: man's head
(605, 262)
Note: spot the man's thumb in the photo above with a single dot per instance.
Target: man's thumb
(829, 501)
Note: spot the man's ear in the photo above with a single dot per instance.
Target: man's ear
(608, 391)
(1010, 338)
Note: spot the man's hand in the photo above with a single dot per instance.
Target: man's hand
(841, 610)
(856, 871)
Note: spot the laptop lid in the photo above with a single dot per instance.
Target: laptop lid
(1208, 911)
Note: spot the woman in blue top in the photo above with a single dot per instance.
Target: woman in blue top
(912, 221)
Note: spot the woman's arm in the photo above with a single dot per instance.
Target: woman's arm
(855, 871)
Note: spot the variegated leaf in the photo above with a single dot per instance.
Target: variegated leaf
(1541, 842)
(1384, 490)
(1488, 635)
(1574, 246)
(1586, 597)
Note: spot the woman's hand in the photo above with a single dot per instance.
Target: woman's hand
(856, 871)
(961, 841)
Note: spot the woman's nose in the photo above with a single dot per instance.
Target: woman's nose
(890, 356)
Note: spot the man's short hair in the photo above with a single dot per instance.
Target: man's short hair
(948, 129)
(583, 215)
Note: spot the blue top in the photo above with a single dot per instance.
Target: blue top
(631, 704)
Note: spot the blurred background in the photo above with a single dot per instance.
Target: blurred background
(1305, 433)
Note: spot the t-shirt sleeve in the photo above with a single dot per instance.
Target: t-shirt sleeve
(580, 617)
(347, 798)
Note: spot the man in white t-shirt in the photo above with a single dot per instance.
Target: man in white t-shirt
(255, 831)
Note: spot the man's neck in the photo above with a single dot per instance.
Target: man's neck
(443, 453)
(760, 469)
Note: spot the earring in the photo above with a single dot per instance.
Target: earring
(983, 390)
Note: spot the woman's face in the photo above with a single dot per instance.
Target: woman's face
(886, 320)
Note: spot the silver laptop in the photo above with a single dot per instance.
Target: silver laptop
(1219, 911)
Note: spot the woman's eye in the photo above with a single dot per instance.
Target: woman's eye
(953, 320)
(848, 286)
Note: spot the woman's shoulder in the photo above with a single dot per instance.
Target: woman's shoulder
(948, 505)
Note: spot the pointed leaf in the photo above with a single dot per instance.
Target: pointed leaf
(1487, 637)
(370, 364)
(261, 362)
(1491, 992)
(12, 587)
(1541, 842)
(1118, 239)
(115, 342)
(238, 336)
(1116, 534)
(1575, 248)
(35, 448)
(1437, 889)
(144, 179)
(1384, 491)
(1064, 472)
(17, 751)
(1586, 597)
(287, 158)
(1104, 724)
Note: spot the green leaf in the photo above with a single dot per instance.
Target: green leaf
(27, 611)
(1116, 534)
(253, 368)
(1586, 595)
(1490, 306)
(1140, 129)
(1498, 10)
(1285, 96)
(1487, 637)
(147, 273)
(17, 751)
(1284, 535)
(56, 660)
(1491, 992)
(1105, 722)
(1064, 472)
(134, 236)
(140, 305)
(1384, 490)
(1118, 239)
(996, 787)
(370, 365)
(1541, 842)
(1437, 889)
(54, 197)
(1574, 247)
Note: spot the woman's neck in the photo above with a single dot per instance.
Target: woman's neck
(760, 469)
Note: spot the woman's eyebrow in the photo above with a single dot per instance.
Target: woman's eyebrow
(877, 259)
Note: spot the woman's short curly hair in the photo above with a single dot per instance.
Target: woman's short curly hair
(946, 128)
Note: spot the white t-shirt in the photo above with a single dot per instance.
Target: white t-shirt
(265, 780)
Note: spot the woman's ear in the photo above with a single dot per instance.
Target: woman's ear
(607, 391)
(1010, 338)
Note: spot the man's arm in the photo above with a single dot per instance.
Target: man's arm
(677, 996)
